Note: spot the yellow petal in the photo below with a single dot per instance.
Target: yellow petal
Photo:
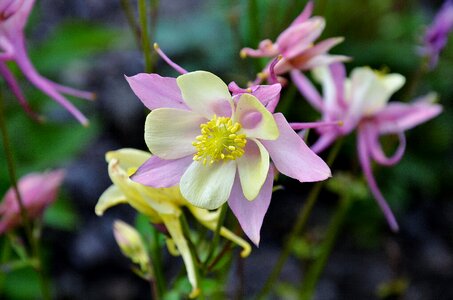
(253, 167)
(111, 197)
(256, 120)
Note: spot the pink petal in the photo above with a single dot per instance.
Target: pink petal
(156, 91)
(364, 158)
(171, 63)
(292, 156)
(308, 63)
(307, 89)
(338, 72)
(324, 141)
(161, 173)
(375, 148)
(73, 92)
(265, 49)
(250, 214)
(297, 39)
(306, 13)
(14, 86)
(40, 82)
(268, 95)
(37, 191)
(397, 117)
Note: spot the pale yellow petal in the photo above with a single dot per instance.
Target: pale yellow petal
(253, 167)
(256, 120)
(208, 186)
(173, 225)
(205, 93)
(111, 197)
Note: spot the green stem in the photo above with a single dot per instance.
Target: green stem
(143, 17)
(415, 79)
(216, 237)
(32, 239)
(156, 260)
(301, 220)
(129, 13)
(314, 271)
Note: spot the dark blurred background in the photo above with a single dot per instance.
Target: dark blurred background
(88, 44)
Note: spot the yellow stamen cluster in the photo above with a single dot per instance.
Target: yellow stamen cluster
(219, 141)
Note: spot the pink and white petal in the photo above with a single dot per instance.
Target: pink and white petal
(206, 94)
(156, 91)
(331, 109)
(250, 214)
(307, 89)
(169, 132)
(255, 119)
(208, 186)
(253, 167)
(364, 158)
(162, 173)
(398, 117)
(292, 156)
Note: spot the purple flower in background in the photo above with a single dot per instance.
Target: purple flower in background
(297, 45)
(436, 36)
(13, 18)
(361, 102)
(37, 191)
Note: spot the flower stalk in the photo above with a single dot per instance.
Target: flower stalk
(33, 239)
(313, 273)
(216, 237)
(301, 220)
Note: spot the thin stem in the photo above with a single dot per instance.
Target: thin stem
(32, 239)
(227, 247)
(154, 289)
(415, 79)
(129, 13)
(12, 171)
(143, 17)
(157, 263)
(216, 237)
(302, 219)
(314, 271)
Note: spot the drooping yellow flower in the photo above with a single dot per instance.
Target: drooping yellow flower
(160, 205)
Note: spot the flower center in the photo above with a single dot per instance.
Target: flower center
(219, 141)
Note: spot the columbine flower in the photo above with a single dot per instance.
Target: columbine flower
(13, 18)
(132, 246)
(436, 36)
(37, 191)
(218, 147)
(160, 205)
(361, 102)
(296, 45)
